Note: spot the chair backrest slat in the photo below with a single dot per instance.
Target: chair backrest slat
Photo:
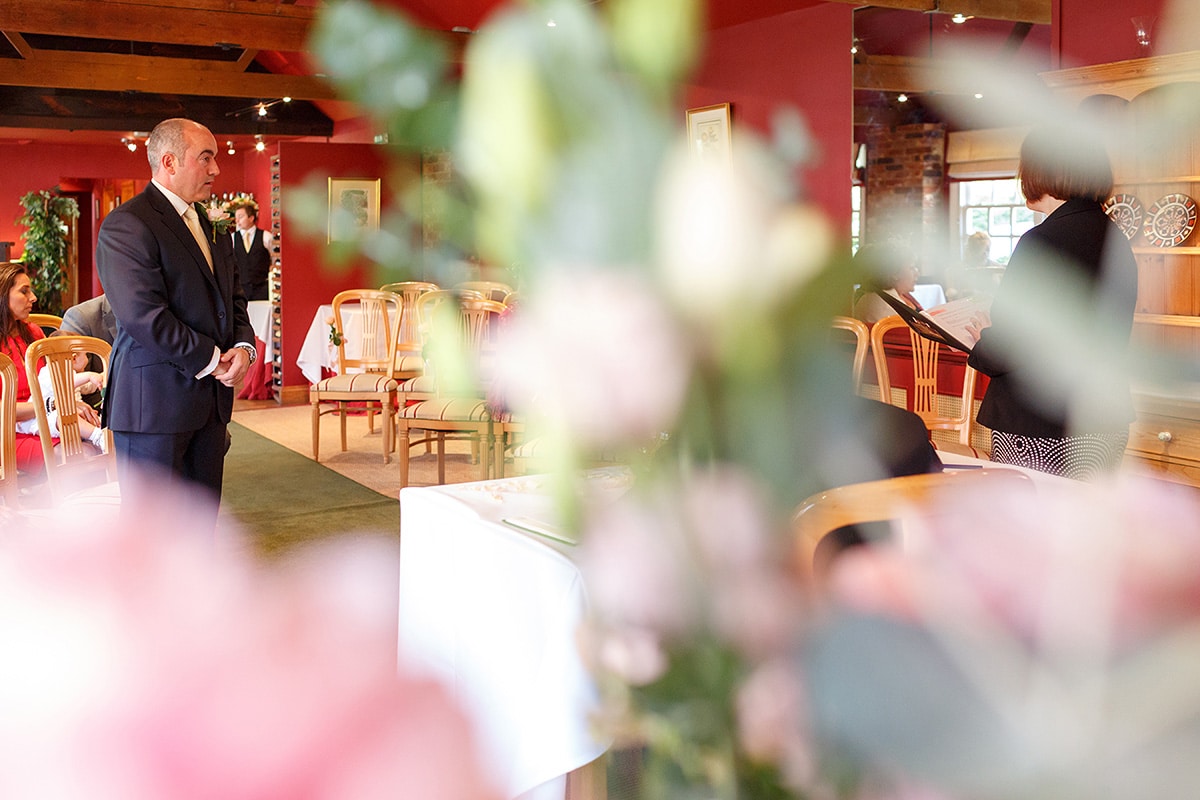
(67, 464)
(378, 314)
(8, 431)
(924, 394)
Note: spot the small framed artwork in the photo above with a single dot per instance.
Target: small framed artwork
(353, 208)
(708, 131)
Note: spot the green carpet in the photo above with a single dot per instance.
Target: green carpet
(281, 498)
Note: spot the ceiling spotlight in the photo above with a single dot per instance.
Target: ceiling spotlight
(258, 143)
(853, 49)
(286, 99)
(129, 143)
(903, 98)
(959, 19)
(979, 95)
(262, 109)
(231, 149)
(551, 24)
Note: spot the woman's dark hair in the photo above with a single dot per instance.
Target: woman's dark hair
(881, 265)
(1066, 164)
(10, 325)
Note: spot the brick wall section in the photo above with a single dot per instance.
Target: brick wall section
(906, 185)
(436, 170)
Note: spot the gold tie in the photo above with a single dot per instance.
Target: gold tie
(193, 222)
(248, 238)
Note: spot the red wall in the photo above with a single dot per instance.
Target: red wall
(33, 167)
(1090, 32)
(310, 275)
(800, 59)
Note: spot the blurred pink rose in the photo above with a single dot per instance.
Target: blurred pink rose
(772, 722)
(596, 356)
(150, 663)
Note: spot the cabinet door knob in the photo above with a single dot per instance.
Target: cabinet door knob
(1164, 436)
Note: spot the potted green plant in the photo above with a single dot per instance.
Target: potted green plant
(45, 221)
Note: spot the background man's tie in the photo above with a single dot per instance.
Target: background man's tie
(248, 239)
(193, 222)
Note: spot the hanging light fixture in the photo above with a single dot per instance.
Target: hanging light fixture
(129, 143)
(231, 149)
(259, 145)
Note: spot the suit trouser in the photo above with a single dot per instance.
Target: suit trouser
(183, 467)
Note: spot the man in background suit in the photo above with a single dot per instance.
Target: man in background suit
(252, 249)
(183, 335)
(92, 318)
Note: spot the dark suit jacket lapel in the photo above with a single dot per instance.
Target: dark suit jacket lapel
(179, 228)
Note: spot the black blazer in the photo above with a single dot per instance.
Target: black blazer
(171, 311)
(1078, 248)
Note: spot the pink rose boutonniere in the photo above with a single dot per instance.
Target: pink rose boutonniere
(219, 217)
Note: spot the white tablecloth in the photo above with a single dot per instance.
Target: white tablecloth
(318, 352)
(492, 612)
(260, 320)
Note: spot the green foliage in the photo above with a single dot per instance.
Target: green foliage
(45, 221)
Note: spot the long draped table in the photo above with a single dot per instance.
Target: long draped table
(492, 612)
(257, 384)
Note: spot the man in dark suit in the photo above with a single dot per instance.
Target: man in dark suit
(183, 335)
(252, 249)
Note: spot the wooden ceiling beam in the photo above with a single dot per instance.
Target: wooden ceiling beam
(205, 23)
(1035, 11)
(153, 74)
(18, 42)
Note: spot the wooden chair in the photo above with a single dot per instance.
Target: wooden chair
(409, 361)
(923, 396)
(8, 430)
(49, 323)
(452, 410)
(862, 340)
(366, 377)
(427, 307)
(72, 465)
(888, 499)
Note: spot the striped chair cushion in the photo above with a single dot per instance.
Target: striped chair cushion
(356, 382)
(447, 408)
(410, 364)
(422, 384)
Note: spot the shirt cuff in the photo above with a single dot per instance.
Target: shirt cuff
(216, 359)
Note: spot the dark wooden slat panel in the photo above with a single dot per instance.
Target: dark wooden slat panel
(127, 111)
(273, 26)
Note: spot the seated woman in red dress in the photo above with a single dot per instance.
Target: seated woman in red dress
(16, 334)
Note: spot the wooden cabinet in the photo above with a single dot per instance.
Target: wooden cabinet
(1148, 108)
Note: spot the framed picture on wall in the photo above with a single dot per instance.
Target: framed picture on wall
(708, 131)
(353, 208)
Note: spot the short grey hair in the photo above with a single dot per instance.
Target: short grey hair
(167, 137)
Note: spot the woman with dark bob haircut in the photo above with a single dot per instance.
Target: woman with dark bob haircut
(1036, 421)
(16, 334)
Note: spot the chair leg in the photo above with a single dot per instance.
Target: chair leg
(441, 456)
(316, 428)
(402, 447)
(498, 455)
(485, 456)
(342, 417)
(386, 424)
